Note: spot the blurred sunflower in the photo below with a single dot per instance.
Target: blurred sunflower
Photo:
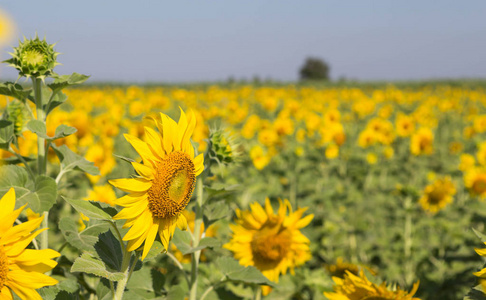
(340, 268)
(271, 242)
(21, 270)
(6, 28)
(475, 181)
(437, 195)
(422, 142)
(358, 287)
(164, 185)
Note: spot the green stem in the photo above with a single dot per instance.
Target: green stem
(41, 116)
(408, 241)
(44, 238)
(209, 289)
(120, 288)
(258, 293)
(196, 237)
(179, 265)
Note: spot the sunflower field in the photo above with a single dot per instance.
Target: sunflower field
(239, 191)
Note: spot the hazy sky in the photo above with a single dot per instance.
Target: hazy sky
(206, 40)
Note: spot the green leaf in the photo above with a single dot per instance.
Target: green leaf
(236, 272)
(71, 161)
(63, 131)
(89, 209)
(63, 81)
(40, 195)
(6, 133)
(213, 212)
(14, 90)
(183, 241)
(38, 127)
(84, 240)
(58, 99)
(108, 249)
(91, 265)
(480, 235)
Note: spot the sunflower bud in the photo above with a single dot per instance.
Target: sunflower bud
(34, 57)
(18, 115)
(223, 148)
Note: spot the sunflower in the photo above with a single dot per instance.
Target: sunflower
(437, 195)
(164, 185)
(21, 269)
(271, 242)
(340, 268)
(358, 287)
(475, 181)
(422, 142)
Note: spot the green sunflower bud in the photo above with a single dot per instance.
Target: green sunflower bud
(18, 115)
(34, 58)
(223, 147)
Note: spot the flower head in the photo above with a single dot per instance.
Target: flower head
(272, 242)
(437, 195)
(358, 287)
(34, 57)
(21, 269)
(422, 142)
(164, 185)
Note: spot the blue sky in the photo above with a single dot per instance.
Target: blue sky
(181, 41)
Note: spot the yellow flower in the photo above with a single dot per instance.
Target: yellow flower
(467, 161)
(164, 185)
(482, 273)
(332, 151)
(21, 269)
(481, 154)
(475, 181)
(455, 147)
(259, 158)
(422, 142)
(437, 195)
(6, 28)
(358, 287)
(271, 242)
(388, 152)
(405, 125)
(340, 267)
(102, 193)
(371, 158)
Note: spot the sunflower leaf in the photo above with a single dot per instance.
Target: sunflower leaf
(40, 194)
(480, 235)
(71, 161)
(6, 133)
(63, 81)
(236, 272)
(84, 240)
(89, 209)
(14, 90)
(108, 249)
(91, 265)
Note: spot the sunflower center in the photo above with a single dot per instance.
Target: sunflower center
(424, 144)
(3, 267)
(271, 244)
(479, 186)
(436, 196)
(172, 187)
(33, 57)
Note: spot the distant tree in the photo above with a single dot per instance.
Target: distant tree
(314, 69)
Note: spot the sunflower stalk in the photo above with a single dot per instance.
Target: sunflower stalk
(120, 288)
(196, 237)
(408, 241)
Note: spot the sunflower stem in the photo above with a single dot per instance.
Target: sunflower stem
(408, 240)
(120, 288)
(196, 237)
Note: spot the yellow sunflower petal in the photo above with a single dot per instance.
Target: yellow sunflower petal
(154, 142)
(131, 184)
(199, 164)
(144, 170)
(20, 244)
(182, 222)
(9, 220)
(149, 241)
(31, 280)
(16, 232)
(7, 203)
(131, 199)
(23, 292)
(5, 294)
(141, 225)
(141, 147)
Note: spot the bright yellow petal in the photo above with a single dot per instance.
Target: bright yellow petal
(154, 142)
(7, 203)
(141, 147)
(132, 211)
(199, 164)
(149, 241)
(144, 170)
(131, 199)
(130, 185)
(141, 225)
(6, 294)
(18, 231)
(182, 222)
